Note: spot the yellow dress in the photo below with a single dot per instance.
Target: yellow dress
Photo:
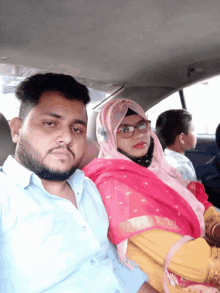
(192, 261)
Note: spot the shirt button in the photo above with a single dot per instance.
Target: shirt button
(92, 261)
(117, 291)
(84, 228)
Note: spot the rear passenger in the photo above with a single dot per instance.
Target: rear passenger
(176, 131)
(211, 175)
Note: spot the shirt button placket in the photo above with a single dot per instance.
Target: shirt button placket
(84, 228)
(92, 261)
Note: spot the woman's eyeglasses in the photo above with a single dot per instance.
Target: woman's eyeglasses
(126, 131)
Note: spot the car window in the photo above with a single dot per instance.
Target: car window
(11, 75)
(171, 102)
(203, 102)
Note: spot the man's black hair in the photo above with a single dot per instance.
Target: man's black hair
(172, 123)
(217, 136)
(30, 90)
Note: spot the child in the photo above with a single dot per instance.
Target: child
(176, 131)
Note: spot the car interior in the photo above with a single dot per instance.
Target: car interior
(143, 50)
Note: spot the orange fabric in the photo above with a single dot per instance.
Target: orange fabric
(149, 250)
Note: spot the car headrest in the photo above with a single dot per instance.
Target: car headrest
(7, 147)
(91, 152)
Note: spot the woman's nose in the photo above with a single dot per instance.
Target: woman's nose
(137, 133)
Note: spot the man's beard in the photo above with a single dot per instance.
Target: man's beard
(29, 158)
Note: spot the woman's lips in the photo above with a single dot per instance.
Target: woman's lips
(140, 145)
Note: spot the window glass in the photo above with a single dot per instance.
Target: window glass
(96, 98)
(11, 75)
(203, 102)
(171, 102)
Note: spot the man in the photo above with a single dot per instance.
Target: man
(211, 174)
(53, 223)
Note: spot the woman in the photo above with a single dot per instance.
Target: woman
(149, 206)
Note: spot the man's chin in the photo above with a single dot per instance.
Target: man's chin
(47, 168)
(56, 169)
(55, 174)
(59, 166)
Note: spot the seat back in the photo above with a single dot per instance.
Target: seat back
(7, 147)
(92, 147)
(91, 152)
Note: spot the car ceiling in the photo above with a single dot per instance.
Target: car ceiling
(146, 48)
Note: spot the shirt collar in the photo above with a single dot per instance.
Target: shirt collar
(176, 155)
(76, 181)
(15, 171)
(22, 176)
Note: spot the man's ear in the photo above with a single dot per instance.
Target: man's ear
(181, 138)
(15, 125)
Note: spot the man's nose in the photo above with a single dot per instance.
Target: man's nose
(65, 136)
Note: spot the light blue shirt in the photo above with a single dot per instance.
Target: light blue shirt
(183, 165)
(48, 245)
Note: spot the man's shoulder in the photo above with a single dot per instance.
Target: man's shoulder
(80, 178)
(90, 184)
(4, 183)
(3, 178)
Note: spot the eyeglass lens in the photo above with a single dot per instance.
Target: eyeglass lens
(128, 131)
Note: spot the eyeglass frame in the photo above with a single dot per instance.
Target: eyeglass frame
(148, 122)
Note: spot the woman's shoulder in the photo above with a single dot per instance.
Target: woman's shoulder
(105, 164)
(98, 168)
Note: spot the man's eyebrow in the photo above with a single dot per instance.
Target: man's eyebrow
(77, 121)
(80, 122)
(53, 114)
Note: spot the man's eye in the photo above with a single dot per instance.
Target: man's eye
(77, 130)
(49, 123)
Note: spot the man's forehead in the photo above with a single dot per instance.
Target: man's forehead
(56, 102)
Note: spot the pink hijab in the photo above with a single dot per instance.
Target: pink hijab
(108, 121)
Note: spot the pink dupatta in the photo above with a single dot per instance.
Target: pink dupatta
(137, 201)
(108, 121)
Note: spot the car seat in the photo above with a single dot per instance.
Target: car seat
(7, 147)
(92, 147)
(91, 152)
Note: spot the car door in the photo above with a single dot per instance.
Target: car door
(205, 149)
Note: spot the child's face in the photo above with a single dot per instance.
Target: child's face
(190, 138)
